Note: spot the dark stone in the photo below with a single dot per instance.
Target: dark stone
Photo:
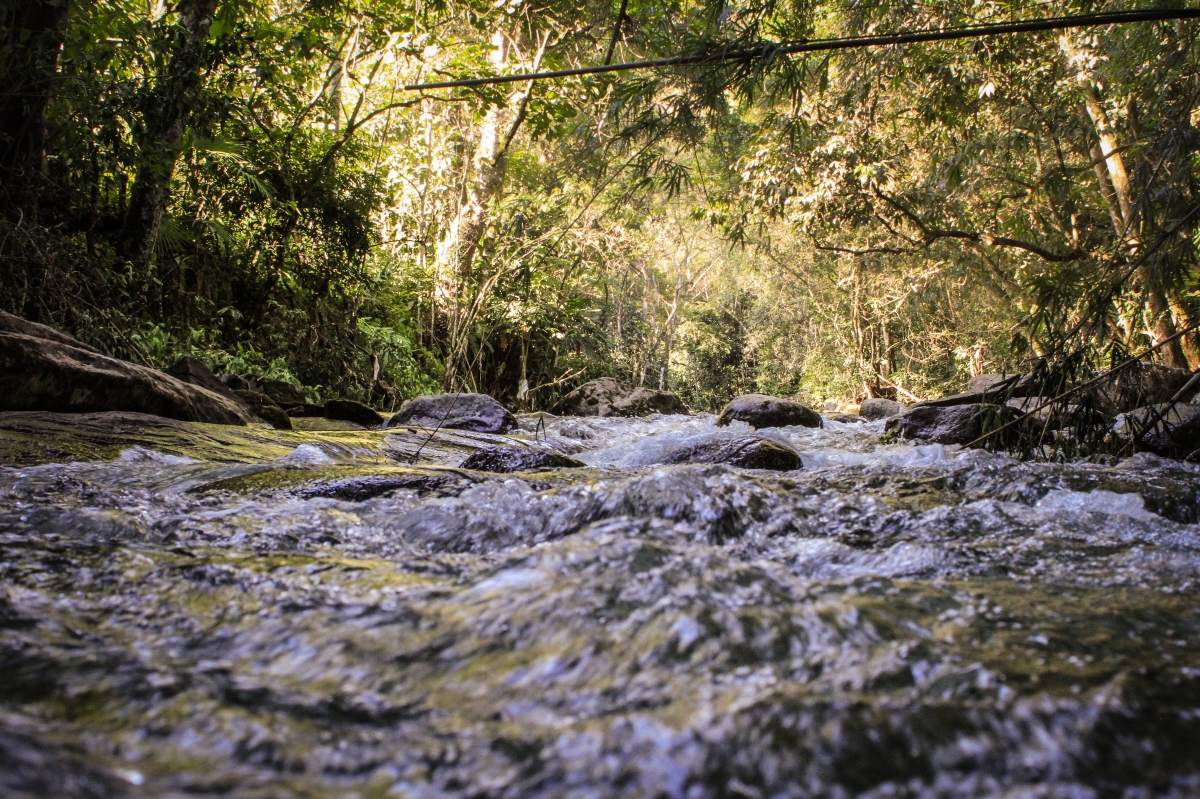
(1175, 435)
(351, 411)
(958, 424)
(283, 393)
(15, 324)
(761, 410)
(607, 397)
(1139, 385)
(847, 418)
(746, 451)
(306, 411)
(236, 382)
(362, 488)
(195, 372)
(476, 412)
(875, 408)
(262, 407)
(518, 459)
(47, 375)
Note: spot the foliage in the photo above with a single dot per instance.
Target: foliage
(887, 221)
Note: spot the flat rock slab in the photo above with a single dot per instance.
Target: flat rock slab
(475, 412)
(763, 410)
(518, 459)
(46, 375)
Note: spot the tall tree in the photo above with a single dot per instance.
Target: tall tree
(164, 119)
(32, 38)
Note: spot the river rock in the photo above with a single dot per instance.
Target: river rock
(41, 374)
(1175, 435)
(284, 394)
(351, 411)
(239, 382)
(265, 408)
(762, 410)
(15, 324)
(518, 459)
(746, 451)
(607, 397)
(1140, 385)
(306, 410)
(958, 424)
(476, 412)
(875, 408)
(195, 372)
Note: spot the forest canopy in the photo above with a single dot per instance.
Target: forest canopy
(252, 183)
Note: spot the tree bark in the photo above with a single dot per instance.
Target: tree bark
(33, 37)
(170, 105)
(1115, 184)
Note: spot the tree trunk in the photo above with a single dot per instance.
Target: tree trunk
(1115, 184)
(457, 249)
(172, 102)
(33, 37)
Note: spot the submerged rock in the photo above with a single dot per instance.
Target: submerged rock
(762, 410)
(478, 413)
(957, 424)
(607, 397)
(748, 452)
(518, 459)
(351, 411)
(265, 408)
(46, 375)
(875, 408)
(194, 371)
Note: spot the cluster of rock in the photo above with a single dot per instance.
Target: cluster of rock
(1137, 401)
(44, 369)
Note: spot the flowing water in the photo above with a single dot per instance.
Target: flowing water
(316, 617)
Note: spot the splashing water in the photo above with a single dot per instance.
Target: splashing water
(333, 621)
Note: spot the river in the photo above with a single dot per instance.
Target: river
(312, 616)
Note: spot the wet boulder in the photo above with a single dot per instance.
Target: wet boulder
(478, 413)
(239, 382)
(41, 374)
(283, 393)
(746, 451)
(195, 372)
(956, 424)
(351, 411)
(1140, 385)
(1175, 432)
(875, 408)
(265, 408)
(762, 410)
(608, 397)
(518, 459)
(306, 410)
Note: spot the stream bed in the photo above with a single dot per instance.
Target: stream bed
(195, 611)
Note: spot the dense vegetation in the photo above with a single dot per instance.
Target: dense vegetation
(253, 184)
